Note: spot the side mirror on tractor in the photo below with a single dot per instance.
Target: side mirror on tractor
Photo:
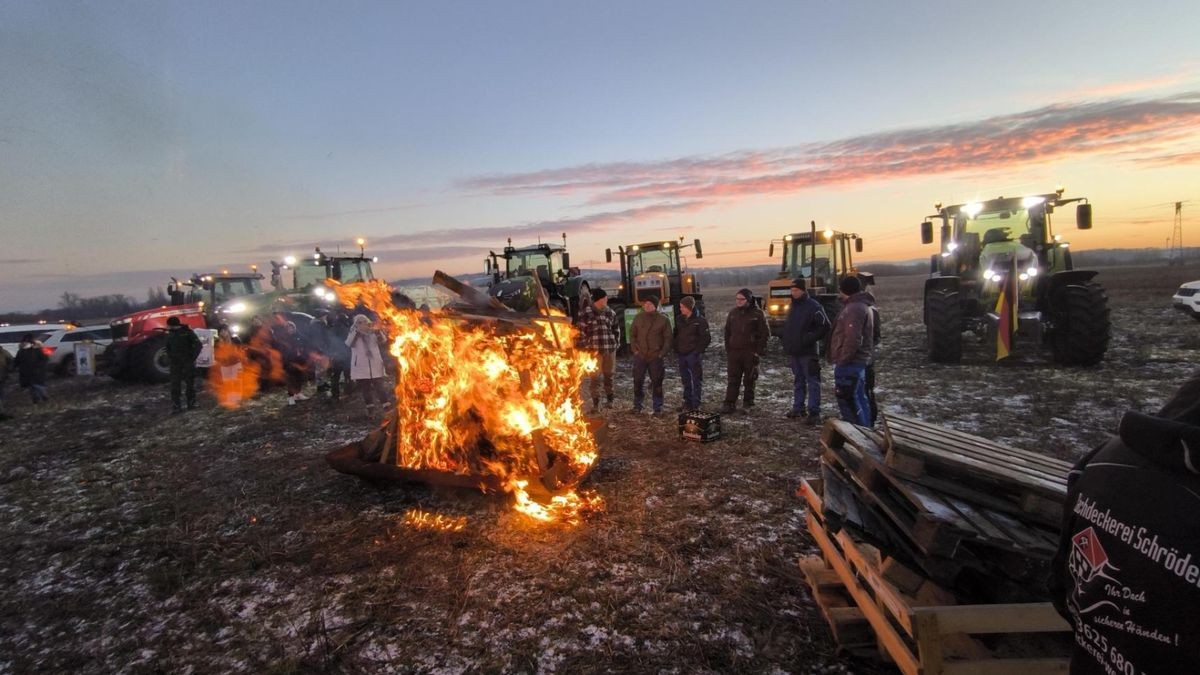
(927, 232)
(858, 245)
(771, 250)
(608, 255)
(1083, 216)
(699, 251)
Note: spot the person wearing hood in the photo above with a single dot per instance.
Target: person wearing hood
(183, 346)
(1127, 572)
(746, 336)
(806, 325)
(850, 349)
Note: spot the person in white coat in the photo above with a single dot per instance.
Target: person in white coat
(366, 361)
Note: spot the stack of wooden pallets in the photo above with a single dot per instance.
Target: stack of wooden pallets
(933, 539)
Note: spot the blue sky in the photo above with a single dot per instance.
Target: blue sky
(146, 139)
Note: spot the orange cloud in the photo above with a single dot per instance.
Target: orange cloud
(1114, 128)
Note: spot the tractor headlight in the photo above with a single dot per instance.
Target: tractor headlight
(952, 246)
(1024, 276)
(236, 308)
(319, 291)
(1032, 271)
(774, 308)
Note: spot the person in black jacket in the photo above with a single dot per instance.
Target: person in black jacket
(691, 339)
(183, 346)
(746, 337)
(806, 325)
(1127, 572)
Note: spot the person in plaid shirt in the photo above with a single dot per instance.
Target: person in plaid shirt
(601, 334)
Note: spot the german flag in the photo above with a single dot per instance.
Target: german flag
(1006, 310)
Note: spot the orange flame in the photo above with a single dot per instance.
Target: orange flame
(475, 398)
(424, 520)
(234, 375)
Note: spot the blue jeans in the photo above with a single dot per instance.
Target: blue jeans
(654, 367)
(849, 384)
(691, 371)
(806, 377)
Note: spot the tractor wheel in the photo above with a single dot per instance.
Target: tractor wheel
(1081, 325)
(943, 326)
(153, 363)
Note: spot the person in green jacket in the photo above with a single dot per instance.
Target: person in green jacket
(650, 339)
(183, 346)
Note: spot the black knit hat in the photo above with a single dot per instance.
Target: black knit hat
(798, 282)
(850, 285)
(650, 297)
(173, 321)
(598, 293)
(746, 293)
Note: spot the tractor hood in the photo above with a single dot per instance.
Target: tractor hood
(517, 293)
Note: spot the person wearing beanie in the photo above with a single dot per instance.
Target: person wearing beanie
(806, 325)
(850, 348)
(746, 336)
(650, 339)
(183, 346)
(600, 333)
(1127, 572)
(691, 339)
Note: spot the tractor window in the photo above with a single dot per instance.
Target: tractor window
(655, 260)
(993, 226)
(352, 271)
(309, 274)
(802, 255)
(527, 262)
(225, 289)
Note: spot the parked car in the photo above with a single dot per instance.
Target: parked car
(1187, 299)
(62, 345)
(11, 334)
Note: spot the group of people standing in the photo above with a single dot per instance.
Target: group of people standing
(332, 350)
(850, 341)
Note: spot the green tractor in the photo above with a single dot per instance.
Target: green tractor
(654, 268)
(983, 245)
(516, 282)
(299, 288)
(823, 259)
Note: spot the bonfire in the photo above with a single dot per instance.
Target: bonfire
(487, 400)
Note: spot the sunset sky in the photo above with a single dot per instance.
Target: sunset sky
(141, 140)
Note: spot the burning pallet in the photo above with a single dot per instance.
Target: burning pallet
(486, 398)
(927, 567)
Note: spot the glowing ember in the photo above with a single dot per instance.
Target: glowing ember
(424, 520)
(482, 398)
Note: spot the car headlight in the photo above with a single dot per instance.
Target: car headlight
(236, 308)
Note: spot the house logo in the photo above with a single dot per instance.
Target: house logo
(1088, 557)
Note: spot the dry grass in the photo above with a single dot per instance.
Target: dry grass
(220, 541)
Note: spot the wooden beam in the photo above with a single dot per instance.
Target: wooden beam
(888, 637)
(1031, 617)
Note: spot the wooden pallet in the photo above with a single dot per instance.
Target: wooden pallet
(921, 637)
(851, 632)
(976, 469)
(936, 523)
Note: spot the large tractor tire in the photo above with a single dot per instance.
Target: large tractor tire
(153, 364)
(943, 326)
(1081, 325)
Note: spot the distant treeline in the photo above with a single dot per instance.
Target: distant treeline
(75, 308)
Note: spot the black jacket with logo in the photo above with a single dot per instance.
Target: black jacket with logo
(691, 334)
(806, 325)
(1127, 571)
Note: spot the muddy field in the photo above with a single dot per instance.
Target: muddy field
(219, 541)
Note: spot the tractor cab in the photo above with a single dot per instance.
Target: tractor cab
(517, 272)
(213, 289)
(308, 274)
(822, 258)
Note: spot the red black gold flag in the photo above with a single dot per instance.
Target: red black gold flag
(1006, 310)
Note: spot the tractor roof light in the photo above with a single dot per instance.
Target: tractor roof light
(1060, 190)
(1032, 201)
(1058, 237)
(634, 247)
(289, 260)
(972, 209)
(828, 233)
(666, 244)
(375, 259)
(952, 246)
(787, 237)
(945, 254)
(316, 256)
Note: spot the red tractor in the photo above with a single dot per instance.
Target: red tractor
(138, 350)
